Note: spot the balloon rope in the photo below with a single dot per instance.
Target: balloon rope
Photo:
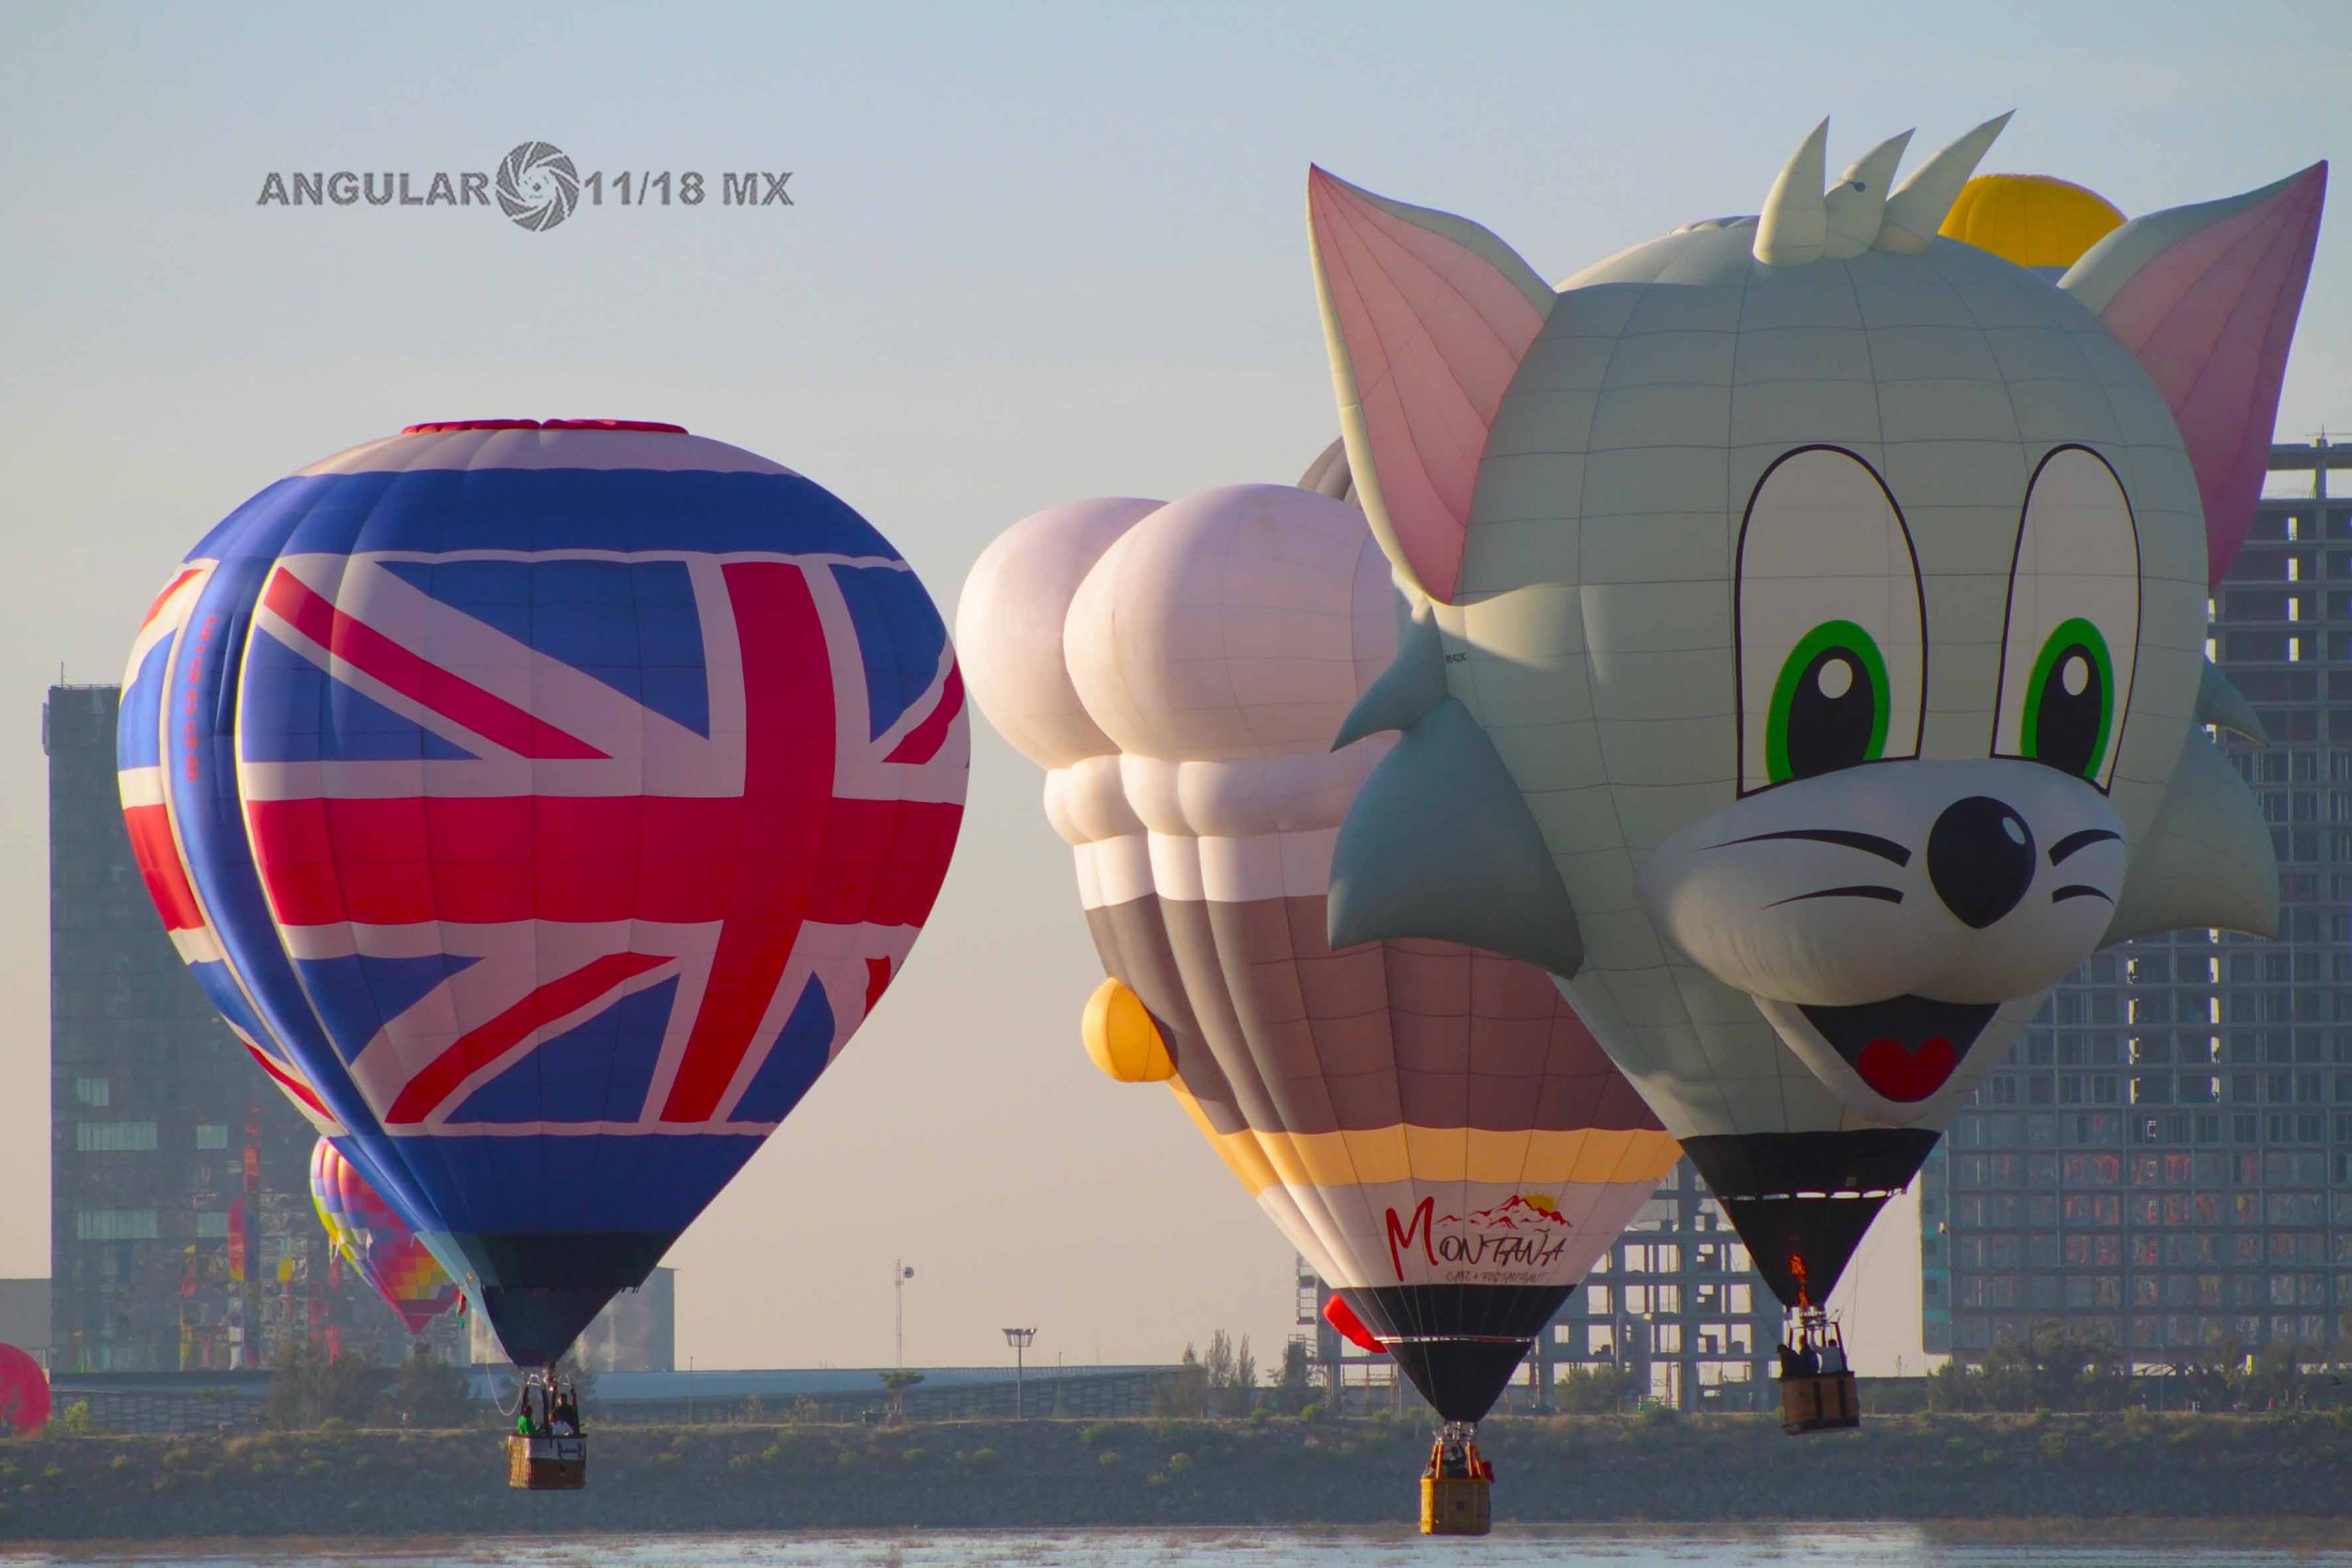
(521, 1389)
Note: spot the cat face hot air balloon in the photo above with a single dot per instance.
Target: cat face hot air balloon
(1821, 603)
(1429, 1125)
(546, 806)
(376, 1242)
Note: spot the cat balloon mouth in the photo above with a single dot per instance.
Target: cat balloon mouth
(1905, 1048)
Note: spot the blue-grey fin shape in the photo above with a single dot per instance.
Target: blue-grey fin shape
(1409, 690)
(2207, 860)
(2218, 702)
(1439, 845)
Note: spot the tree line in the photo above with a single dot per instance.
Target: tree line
(2054, 1367)
(1226, 1381)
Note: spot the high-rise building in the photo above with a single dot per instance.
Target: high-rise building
(181, 1233)
(2164, 1160)
(1677, 1303)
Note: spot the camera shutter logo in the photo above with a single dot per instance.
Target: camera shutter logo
(538, 186)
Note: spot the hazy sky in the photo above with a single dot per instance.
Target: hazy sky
(1037, 251)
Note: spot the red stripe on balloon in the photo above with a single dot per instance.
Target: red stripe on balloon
(478, 1048)
(170, 588)
(371, 652)
(392, 863)
(785, 829)
(922, 742)
(158, 855)
(292, 1085)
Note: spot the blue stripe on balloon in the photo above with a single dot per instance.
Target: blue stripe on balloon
(201, 778)
(295, 712)
(802, 1048)
(139, 736)
(632, 625)
(899, 636)
(355, 997)
(508, 1185)
(439, 510)
(598, 1070)
(221, 989)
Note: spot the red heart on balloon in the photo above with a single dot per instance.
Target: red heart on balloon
(1904, 1075)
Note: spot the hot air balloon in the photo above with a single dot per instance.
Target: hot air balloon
(376, 1242)
(1429, 1125)
(24, 1393)
(546, 804)
(1807, 653)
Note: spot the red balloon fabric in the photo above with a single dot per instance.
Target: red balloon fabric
(1342, 1317)
(23, 1393)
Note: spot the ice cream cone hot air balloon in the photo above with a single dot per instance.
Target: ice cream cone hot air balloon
(1429, 1125)
(545, 804)
(376, 1242)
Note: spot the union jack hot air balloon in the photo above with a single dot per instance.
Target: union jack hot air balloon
(545, 804)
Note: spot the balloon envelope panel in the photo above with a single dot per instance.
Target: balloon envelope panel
(556, 802)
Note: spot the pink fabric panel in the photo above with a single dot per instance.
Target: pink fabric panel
(2211, 320)
(1434, 334)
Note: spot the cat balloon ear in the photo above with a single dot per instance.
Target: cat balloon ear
(2206, 297)
(1427, 316)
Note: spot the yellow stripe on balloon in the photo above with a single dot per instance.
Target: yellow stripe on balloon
(1408, 1152)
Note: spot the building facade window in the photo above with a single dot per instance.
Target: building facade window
(114, 1138)
(114, 1224)
(2199, 1083)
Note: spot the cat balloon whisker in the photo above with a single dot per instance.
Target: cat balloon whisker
(1845, 838)
(1863, 890)
(2074, 843)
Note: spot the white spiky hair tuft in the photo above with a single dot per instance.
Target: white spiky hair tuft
(1801, 223)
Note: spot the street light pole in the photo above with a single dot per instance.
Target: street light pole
(900, 1275)
(1019, 1338)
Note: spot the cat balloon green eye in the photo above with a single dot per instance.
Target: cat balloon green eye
(1829, 705)
(2070, 700)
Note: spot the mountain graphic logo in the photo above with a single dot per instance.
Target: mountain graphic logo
(1520, 1211)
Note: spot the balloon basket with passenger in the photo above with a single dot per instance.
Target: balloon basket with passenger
(549, 1449)
(1457, 1486)
(1817, 1388)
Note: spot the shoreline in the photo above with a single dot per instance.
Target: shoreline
(2095, 1478)
(2287, 1533)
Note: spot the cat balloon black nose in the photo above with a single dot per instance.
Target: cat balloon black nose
(1980, 857)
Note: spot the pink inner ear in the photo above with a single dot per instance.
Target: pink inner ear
(1433, 334)
(2211, 321)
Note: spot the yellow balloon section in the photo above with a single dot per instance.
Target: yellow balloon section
(1122, 1039)
(2030, 219)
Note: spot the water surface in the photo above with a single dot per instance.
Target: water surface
(2025, 1544)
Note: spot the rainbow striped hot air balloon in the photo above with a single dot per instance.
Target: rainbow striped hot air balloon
(545, 804)
(376, 1242)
